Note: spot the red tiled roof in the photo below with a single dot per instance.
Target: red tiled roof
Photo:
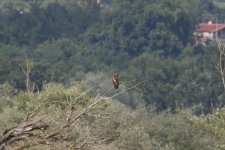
(205, 27)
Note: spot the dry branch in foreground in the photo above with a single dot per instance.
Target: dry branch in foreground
(35, 132)
(22, 131)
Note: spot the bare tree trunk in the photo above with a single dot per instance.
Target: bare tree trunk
(27, 67)
(219, 62)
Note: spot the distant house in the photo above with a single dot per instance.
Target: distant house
(210, 31)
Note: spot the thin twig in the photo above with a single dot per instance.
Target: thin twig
(221, 147)
(125, 90)
(101, 98)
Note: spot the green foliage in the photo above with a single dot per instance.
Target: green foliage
(52, 105)
(112, 124)
(162, 131)
(6, 93)
(211, 124)
(10, 117)
(140, 26)
(173, 83)
(149, 40)
(6, 90)
(40, 24)
(142, 40)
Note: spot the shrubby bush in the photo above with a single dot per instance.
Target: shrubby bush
(52, 105)
(110, 124)
(212, 125)
(164, 131)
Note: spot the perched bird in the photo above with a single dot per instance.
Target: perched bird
(115, 81)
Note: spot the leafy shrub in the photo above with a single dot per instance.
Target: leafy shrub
(162, 131)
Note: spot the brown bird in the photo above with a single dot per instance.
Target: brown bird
(115, 81)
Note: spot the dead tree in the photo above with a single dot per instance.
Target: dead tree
(27, 68)
(35, 132)
(219, 60)
(21, 132)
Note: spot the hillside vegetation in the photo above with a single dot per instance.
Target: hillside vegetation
(56, 63)
(107, 125)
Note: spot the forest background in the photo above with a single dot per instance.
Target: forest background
(51, 50)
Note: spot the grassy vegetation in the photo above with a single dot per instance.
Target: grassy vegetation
(109, 124)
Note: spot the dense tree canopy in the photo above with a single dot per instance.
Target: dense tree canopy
(142, 39)
(57, 58)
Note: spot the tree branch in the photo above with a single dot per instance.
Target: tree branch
(21, 131)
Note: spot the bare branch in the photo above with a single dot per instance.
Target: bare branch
(82, 144)
(28, 130)
(219, 62)
(101, 98)
(126, 90)
(21, 131)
